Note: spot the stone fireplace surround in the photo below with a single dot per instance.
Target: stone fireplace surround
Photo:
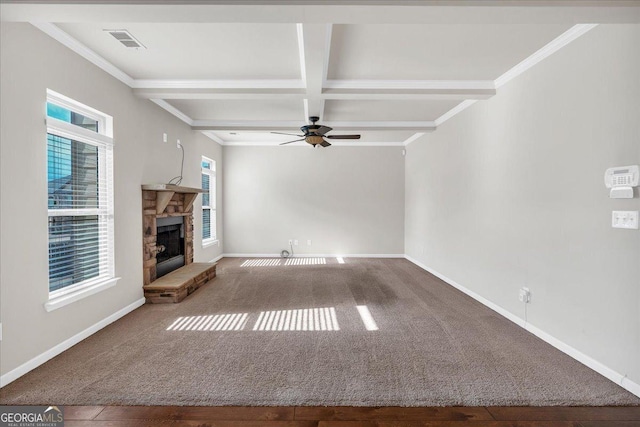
(161, 201)
(170, 201)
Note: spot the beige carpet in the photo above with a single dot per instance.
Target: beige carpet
(263, 334)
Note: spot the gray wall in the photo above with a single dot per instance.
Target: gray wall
(346, 200)
(511, 193)
(32, 62)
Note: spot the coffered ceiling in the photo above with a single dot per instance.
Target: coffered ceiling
(388, 70)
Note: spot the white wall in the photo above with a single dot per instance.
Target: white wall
(346, 200)
(32, 62)
(510, 193)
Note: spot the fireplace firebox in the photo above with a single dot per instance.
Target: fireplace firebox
(169, 245)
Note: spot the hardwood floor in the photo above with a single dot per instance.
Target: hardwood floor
(177, 416)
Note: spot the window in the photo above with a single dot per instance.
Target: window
(80, 197)
(208, 201)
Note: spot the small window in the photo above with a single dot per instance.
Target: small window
(208, 167)
(80, 195)
(61, 113)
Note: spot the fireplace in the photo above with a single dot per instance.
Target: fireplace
(169, 245)
(167, 233)
(167, 229)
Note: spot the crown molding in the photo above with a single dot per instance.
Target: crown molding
(550, 48)
(412, 138)
(213, 137)
(455, 110)
(173, 110)
(55, 32)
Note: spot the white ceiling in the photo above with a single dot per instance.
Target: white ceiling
(197, 51)
(241, 109)
(388, 70)
(361, 110)
(433, 52)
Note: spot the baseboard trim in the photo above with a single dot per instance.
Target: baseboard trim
(586, 360)
(66, 344)
(295, 255)
(216, 259)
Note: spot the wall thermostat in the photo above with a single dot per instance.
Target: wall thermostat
(621, 181)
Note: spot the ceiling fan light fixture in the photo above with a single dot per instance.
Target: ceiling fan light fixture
(314, 134)
(314, 139)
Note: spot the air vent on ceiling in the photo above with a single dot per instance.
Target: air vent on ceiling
(125, 37)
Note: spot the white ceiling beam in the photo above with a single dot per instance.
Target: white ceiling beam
(333, 89)
(217, 94)
(410, 84)
(334, 142)
(259, 94)
(314, 41)
(233, 125)
(410, 12)
(270, 125)
(273, 84)
(411, 95)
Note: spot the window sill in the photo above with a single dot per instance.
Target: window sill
(68, 298)
(208, 243)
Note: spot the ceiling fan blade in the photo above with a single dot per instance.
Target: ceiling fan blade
(322, 130)
(343, 136)
(295, 140)
(291, 134)
(325, 143)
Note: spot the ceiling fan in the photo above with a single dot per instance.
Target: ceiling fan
(316, 134)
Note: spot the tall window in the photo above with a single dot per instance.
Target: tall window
(208, 201)
(80, 190)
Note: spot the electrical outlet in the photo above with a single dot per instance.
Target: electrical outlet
(295, 242)
(290, 242)
(524, 295)
(178, 144)
(624, 219)
(164, 137)
(308, 242)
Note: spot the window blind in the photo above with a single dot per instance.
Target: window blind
(208, 199)
(80, 201)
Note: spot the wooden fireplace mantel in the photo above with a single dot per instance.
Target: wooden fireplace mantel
(166, 191)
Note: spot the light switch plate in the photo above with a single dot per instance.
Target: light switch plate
(624, 219)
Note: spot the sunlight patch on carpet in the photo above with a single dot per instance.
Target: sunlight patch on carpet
(218, 322)
(305, 261)
(306, 319)
(367, 318)
(267, 262)
(274, 262)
